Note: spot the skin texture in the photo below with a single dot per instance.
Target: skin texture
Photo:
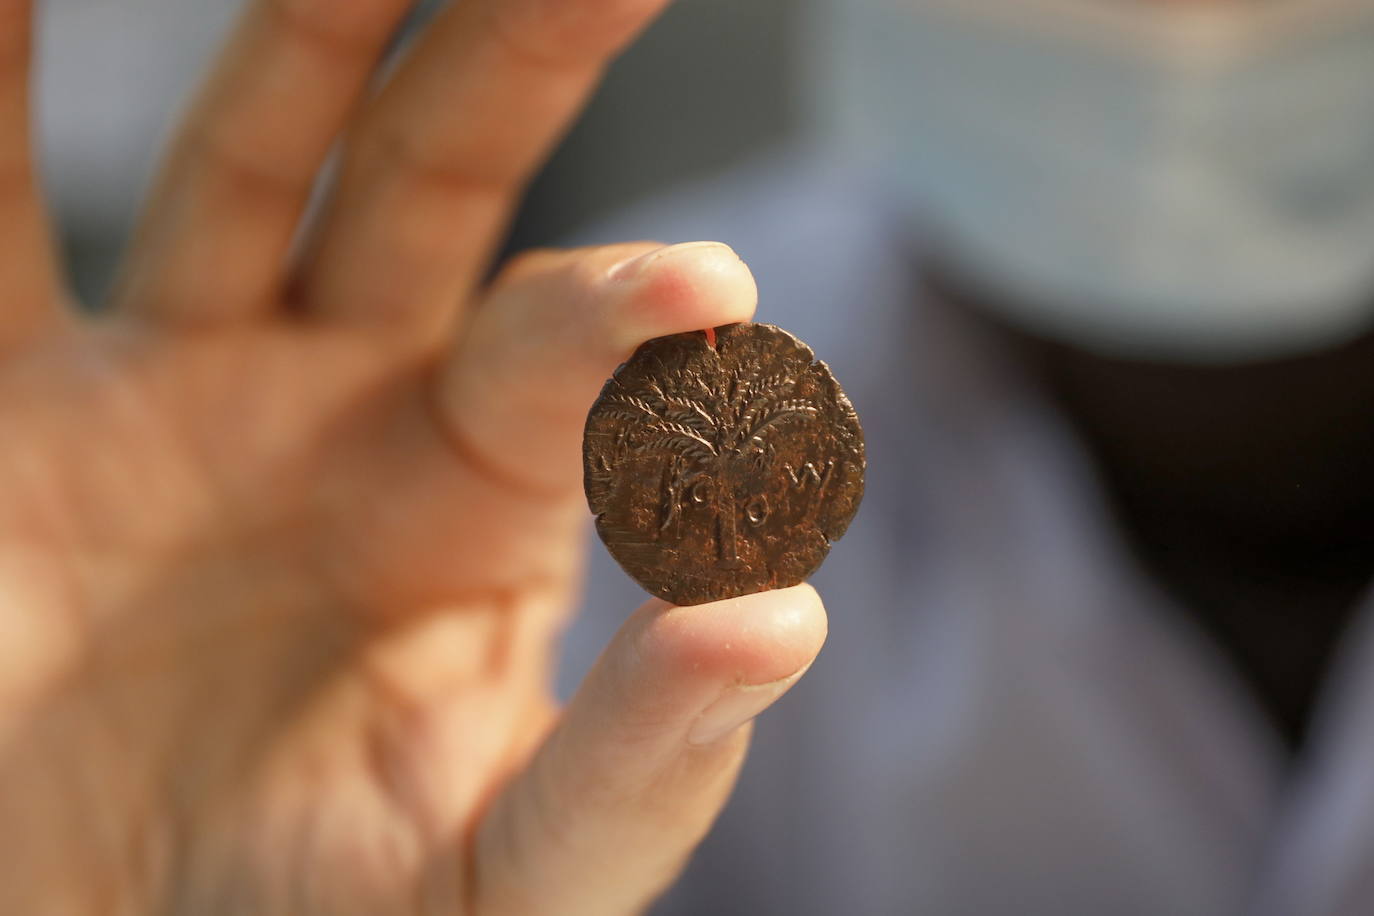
(287, 535)
(722, 465)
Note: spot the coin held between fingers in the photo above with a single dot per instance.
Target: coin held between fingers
(719, 471)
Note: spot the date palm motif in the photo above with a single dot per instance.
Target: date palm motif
(708, 435)
(731, 421)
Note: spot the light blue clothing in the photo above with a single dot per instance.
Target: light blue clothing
(1008, 717)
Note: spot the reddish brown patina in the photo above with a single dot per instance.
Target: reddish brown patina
(718, 468)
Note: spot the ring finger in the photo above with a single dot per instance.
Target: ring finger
(434, 164)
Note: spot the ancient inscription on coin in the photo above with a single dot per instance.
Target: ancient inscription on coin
(718, 468)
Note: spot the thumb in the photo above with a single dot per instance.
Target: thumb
(645, 756)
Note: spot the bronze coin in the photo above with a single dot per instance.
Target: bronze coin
(721, 470)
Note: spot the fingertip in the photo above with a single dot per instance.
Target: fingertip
(555, 324)
(681, 288)
(648, 749)
(754, 639)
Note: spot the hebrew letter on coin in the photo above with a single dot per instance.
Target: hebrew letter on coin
(718, 471)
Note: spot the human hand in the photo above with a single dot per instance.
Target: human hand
(286, 537)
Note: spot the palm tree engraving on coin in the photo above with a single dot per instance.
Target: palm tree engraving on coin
(721, 470)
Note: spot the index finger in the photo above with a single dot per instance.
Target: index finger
(433, 167)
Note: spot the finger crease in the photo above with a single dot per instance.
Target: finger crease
(243, 172)
(468, 453)
(311, 32)
(574, 44)
(397, 155)
(526, 54)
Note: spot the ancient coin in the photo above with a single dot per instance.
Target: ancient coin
(722, 463)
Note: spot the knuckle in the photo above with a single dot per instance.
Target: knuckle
(398, 152)
(239, 169)
(530, 44)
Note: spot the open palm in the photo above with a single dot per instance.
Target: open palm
(287, 536)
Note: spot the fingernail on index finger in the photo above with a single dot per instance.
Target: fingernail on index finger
(633, 267)
(679, 288)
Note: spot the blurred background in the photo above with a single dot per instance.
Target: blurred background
(703, 89)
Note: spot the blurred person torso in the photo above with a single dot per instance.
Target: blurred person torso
(1032, 701)
(1010, 715)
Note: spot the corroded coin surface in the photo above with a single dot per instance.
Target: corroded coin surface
(718, 469)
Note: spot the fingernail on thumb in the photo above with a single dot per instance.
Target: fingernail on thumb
(631, 268)
(738, 706)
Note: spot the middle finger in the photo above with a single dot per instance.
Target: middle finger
(434, 165)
